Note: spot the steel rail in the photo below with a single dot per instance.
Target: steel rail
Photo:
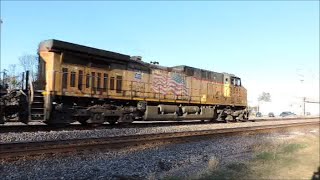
(71, 127)
(15, 150)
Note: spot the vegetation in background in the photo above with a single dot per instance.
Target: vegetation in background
(12, 77)
(29, 63)
(266, 97)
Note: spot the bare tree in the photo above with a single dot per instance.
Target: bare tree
(266, 97)
(12, 79)
(29, 63)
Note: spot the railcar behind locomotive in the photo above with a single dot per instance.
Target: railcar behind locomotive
(94, 86)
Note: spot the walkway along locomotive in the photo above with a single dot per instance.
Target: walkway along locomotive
(93, 86)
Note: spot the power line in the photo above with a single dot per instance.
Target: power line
(312, 102)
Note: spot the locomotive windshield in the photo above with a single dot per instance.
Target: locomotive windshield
(236, 81)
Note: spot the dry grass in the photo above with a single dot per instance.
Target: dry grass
(295, 158)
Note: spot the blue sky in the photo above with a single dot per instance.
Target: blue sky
(264, 42)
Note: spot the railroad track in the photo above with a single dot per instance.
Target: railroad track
(16, 150)
(42, 127)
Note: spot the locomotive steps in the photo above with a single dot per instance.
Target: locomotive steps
(16, 150)
(37, 106)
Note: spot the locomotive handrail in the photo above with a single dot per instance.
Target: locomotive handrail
(31, 91)
(30, 97)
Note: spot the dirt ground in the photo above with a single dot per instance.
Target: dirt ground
(292, 157)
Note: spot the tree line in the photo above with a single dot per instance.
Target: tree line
(12, 77)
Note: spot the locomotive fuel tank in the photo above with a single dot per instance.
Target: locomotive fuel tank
(168, 109)
(190, 110)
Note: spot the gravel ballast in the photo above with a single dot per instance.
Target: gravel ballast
(187, 160)
(78, 134)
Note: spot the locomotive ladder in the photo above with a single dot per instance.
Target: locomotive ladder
(37, 106)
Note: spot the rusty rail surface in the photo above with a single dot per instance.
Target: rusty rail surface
(71, 127)
(16, 150)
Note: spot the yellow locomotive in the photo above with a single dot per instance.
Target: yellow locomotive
(93, 86)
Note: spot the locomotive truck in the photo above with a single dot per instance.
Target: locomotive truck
(94, 86)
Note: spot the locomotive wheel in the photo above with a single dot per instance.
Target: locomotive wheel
(56, 125)
(82, 120)
(112, 120)
(235, 119)
(124, 123)
(94, 124)
(84, 123)
(241, 118)
(228, 118)
(125, 118)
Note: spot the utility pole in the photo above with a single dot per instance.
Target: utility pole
(301, 79)
(0, 42)
(304, 106)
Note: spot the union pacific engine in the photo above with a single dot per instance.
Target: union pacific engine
(94, 86)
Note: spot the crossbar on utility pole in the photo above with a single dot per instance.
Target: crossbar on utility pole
(312, 102)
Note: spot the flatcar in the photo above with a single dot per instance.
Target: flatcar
(94, 86)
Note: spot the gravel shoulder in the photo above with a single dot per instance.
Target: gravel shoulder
(194, 160)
